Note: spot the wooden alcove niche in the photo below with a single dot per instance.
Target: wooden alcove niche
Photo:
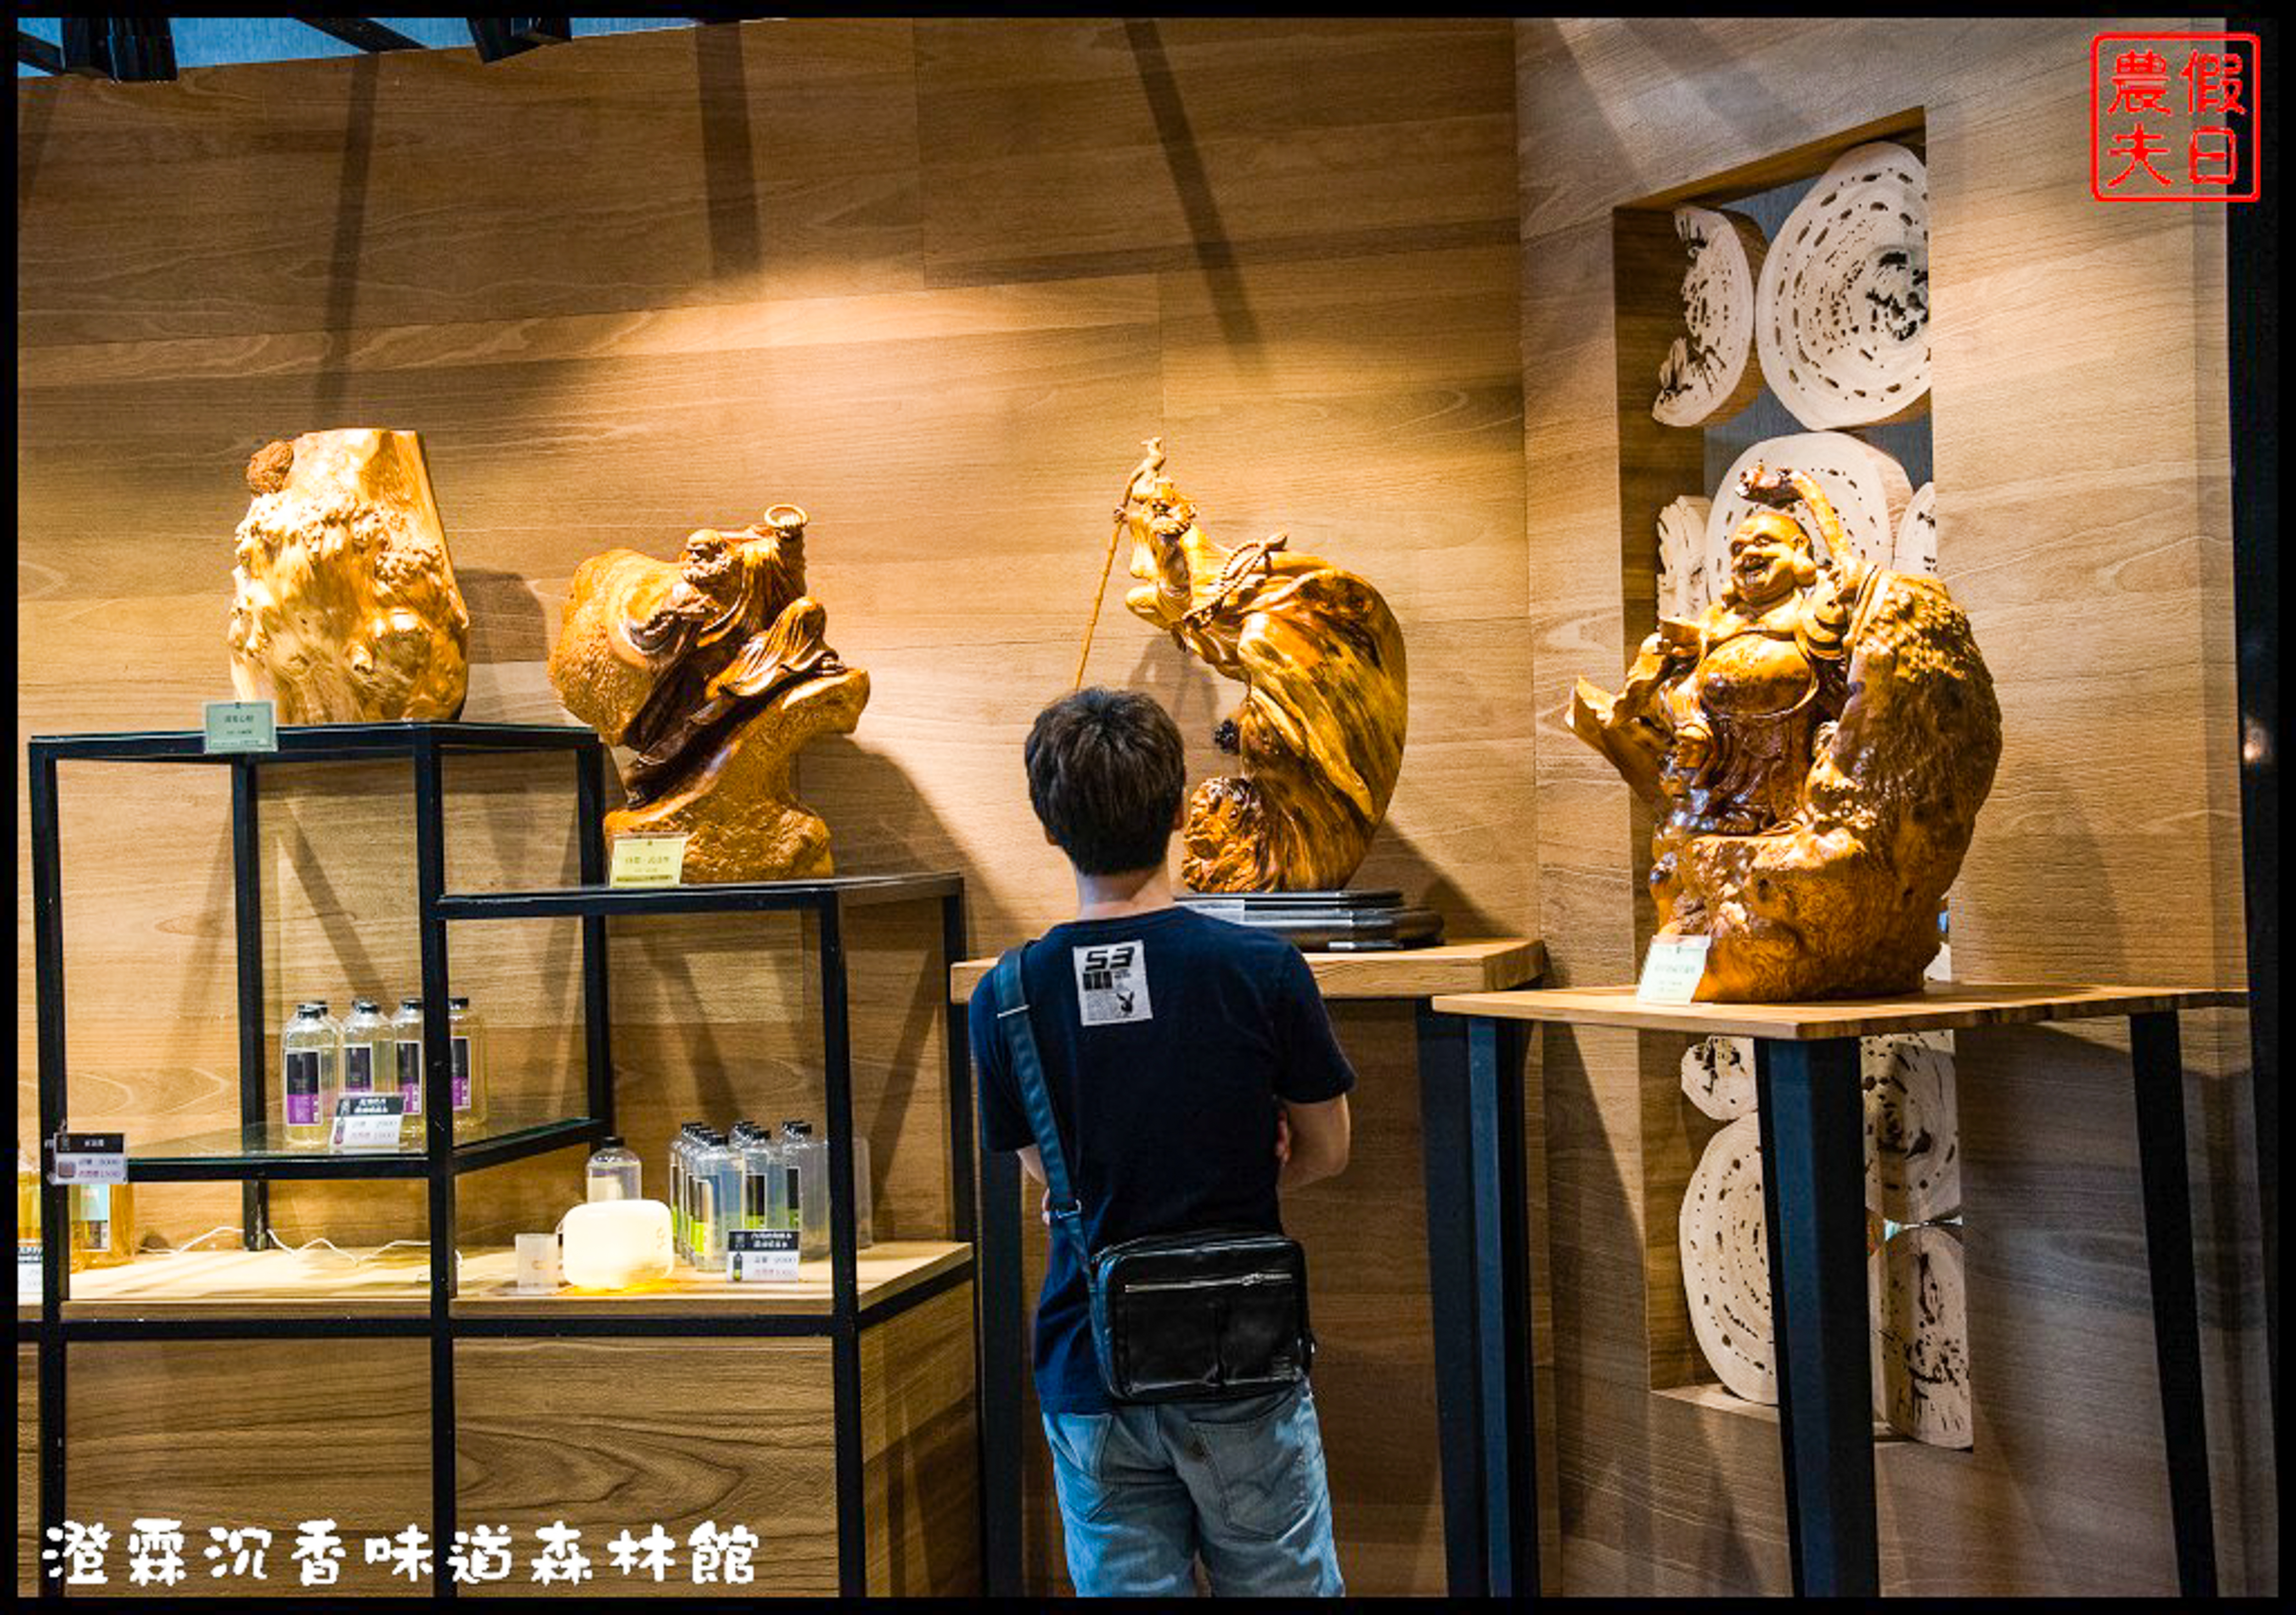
(1658, 464)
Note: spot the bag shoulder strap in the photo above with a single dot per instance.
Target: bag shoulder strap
(1013, 1018)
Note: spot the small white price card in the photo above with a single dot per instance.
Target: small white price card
(760, 1253)
(90, 1158)
(242, 725)
(1672, 969)
(367, 1121)
(28, 1275)
(647, 860)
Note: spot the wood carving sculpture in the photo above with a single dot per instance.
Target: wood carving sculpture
(1320, 730)
(344, 608)
(1817, 743)
(712, 668)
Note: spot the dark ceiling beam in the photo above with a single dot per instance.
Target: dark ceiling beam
(131, 49)
(500, 37)
(365, 32)
(33, 51)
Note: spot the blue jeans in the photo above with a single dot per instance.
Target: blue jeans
(1146, 1488)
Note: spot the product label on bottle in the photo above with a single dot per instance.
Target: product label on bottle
(93, 1214)
(302, 1087)
(461, 1069)
(367, 1121)
(792, 1208)
(755, 1187)
(705, 1208)
(410, 1076)
(761, 1253)
(606, 1186)
(358, 1067)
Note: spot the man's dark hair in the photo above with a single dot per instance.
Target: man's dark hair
(1106, 770)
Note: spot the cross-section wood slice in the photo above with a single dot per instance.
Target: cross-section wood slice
(1913, 1134)
(1919, 1292)
(1685, 587)
(1841, 311)
(1726, 1261)
(1711, 372)
(1917, 549)
(1870, 491)
(1718, 1076)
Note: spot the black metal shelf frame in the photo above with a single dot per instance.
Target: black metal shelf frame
(442, 1160)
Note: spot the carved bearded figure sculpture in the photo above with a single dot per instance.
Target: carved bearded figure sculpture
(713, 670)
(344, 608)
(1817, 743)
(1320, 730)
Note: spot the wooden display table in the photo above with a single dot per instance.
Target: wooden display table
(1472, 1120)
(1808, 1096)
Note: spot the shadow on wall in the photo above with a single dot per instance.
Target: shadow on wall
(350, 229)
(728, 177)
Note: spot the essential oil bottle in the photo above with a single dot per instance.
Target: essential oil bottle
(467, 1069)
(806, 1170)
(406, 1065)
(614, 1173)
(763, 1191)
(367, 1049)
(308, 1045)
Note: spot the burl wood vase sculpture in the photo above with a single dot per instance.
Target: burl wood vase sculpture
(1320, 731)
(1817, 743)
(713, 670)
(344, 608)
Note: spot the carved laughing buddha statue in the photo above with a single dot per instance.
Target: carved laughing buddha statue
(1818, 741)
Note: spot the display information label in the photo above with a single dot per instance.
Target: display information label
(1672, 969)
(647, 860)
(367, 1121)
(242, 725)
(90, 1158)
(760, 1253)
(28, 1275)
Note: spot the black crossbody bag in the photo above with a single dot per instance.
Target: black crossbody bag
(1214, 1316)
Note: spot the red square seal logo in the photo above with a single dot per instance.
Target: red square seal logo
(2176, 118)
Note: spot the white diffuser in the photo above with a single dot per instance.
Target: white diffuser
(615, 1244)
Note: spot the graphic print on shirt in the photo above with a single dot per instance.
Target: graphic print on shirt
(1112, 984)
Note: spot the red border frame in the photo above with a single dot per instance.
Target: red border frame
(2256, 94)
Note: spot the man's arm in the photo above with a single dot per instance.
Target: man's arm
(1318, 1135)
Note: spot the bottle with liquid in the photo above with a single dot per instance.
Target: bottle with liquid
(805, 1172)
(406, 1068)
(614, 1173)
(681, 1158)
(467, 1041)
(27, 1204)
(102, 1225)
(307, 1048)
(762, 1188)
(367, 1049)
(708, 1174)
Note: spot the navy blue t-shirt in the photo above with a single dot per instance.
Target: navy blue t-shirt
(1166, 1040)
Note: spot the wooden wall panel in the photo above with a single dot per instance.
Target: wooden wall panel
(933, 281)
(2097, 578)
(214, 1434)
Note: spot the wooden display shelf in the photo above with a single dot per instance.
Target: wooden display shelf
(1484, 966)
(1940, 1008)
(285, 1284)
(885, 1270)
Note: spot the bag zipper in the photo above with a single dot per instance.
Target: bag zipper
(1239, 1279)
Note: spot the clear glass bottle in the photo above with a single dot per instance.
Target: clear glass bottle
(467, 1041)
(762, 1188)
(681, 1157)
(406, 1065)
(715, 1180)
(806, 1172)
(308, 1047)
(367, 1049)
(28, 1203)
(614, 1173)
(102, 1225)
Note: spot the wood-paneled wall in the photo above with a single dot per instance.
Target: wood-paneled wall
(934, 281)
(2082, 524)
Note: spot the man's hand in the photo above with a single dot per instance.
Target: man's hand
(1045, 1206)
(1311, 1142)
(1283, 1138)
